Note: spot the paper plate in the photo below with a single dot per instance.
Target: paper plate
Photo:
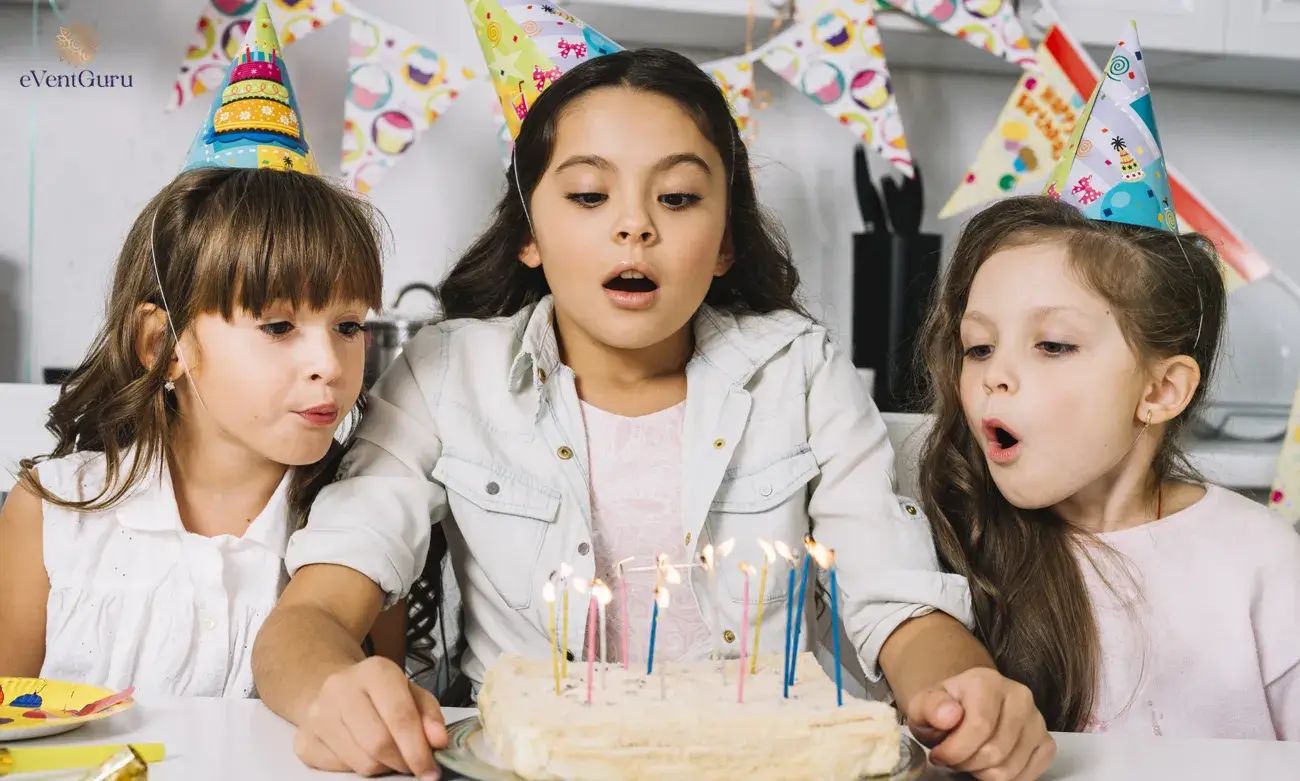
(468, 754)
(36, 708)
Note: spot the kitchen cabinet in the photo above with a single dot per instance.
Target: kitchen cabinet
(1192, 26)
(1264, 28)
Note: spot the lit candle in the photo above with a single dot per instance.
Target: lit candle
(622, 606)
(788, 555)
(601, 593)
(798, 617)
(769, 556)
(548, 594)
(748, 572)
(710, 558)
(565, 572)
(661, 603)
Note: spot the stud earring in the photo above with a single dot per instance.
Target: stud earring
(169, 386)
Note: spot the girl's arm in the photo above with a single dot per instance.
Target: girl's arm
(389, 634)
(24, 585)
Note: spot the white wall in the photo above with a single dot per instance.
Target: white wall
(102, 153)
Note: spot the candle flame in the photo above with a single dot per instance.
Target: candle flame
(726, 547)
(784, 551)
(661, 598)
(601, 592)
(706, 556)
(565, 570)
(548, 592)
(823, 555)
(808, 543)
(748, 570)
(667, 571)
(768, 552)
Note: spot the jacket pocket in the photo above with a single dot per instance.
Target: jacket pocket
(503, 516)
(768, 502)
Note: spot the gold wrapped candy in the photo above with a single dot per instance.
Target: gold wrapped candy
(125, 765)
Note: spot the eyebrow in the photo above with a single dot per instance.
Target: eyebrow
(1040, 313)
(664, 164)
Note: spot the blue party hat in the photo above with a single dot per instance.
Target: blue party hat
(1114, 169)
(254, 121)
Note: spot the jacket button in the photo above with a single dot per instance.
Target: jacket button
(492, 488)
(765, 490)
(541, 375)
(583, 549)
(719, 443)
(688, 538)
(729, 636)
(564, 452)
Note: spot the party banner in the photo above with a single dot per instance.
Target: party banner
(1028, 139)
(735, 77)
(221, 30)
(834, 57)
(991, 25)
(397, 88)
(1285, 496)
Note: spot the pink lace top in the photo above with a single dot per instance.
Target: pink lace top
(636, 500)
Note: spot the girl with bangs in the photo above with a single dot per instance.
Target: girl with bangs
(147, 548)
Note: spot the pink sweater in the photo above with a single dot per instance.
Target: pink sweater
(1200, 624)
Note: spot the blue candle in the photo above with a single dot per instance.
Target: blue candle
(789, 624)
(654, 624)
(835, 630)
(798, 617)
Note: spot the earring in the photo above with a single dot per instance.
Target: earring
(170, 386)
(1148, 417)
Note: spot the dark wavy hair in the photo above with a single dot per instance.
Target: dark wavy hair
(490, 281)
(1031, 603)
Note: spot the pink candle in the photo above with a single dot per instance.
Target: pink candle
(591, 644)
(744, 631)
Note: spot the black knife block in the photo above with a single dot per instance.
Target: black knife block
(893, 279)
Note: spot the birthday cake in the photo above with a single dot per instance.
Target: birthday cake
(684, 721)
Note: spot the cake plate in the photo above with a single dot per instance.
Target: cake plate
(469, 755)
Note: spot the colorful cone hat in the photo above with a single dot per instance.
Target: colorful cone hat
(254, 121)
(1114, 169)
(528, 46)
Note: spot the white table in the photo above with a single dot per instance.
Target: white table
(221, 739)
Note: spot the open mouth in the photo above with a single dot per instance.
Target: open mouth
(1005, 439)
(1004, 445)
(631, 282)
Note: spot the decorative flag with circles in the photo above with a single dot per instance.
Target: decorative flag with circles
(735, 77)
(397, 87)
(991, 25)
(833, 55)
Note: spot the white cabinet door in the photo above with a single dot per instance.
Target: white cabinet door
(1264, 28)
(1198, 26)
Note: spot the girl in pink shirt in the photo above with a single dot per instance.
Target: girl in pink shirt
(1068, 355)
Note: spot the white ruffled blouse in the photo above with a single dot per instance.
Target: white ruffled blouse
(136, 600)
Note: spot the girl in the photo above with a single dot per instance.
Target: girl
(1067, 357)
(624, 371)
(147, 548)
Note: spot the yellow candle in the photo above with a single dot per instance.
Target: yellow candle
(769, 556)
(548, 594)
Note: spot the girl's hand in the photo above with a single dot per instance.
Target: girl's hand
(981, 723)
(370, 720)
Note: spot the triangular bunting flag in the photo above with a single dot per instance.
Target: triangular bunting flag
(220, 32)
(528, 46)
(991, 25)
(1028, 139)
(254, 121)
(735, 77)
(397, 88)
(1114, 169)
(834, 57)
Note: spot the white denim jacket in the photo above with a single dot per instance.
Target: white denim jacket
(477, 425)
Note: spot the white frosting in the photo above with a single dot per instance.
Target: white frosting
(692, 728)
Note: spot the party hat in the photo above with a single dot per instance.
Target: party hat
(528, 46)
(1113, 169)
(254, 121)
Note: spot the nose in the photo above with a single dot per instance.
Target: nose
(634, 224)
(1000, 374)
(321, 356)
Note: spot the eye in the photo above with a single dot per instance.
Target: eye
(679, 200)
(277, 329)
(588, 200)
(979, 352)
(1055, 349)
(351, 329)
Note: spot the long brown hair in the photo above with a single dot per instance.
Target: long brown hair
(1030, 599)
(223, 238)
